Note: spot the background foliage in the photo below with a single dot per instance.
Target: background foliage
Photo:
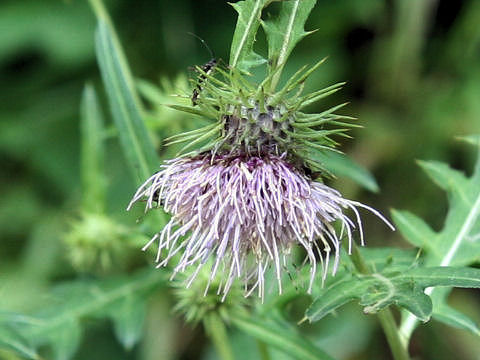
(70, 253)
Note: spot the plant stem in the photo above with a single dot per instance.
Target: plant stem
(263, 350)
(387, 321)
(215, 328)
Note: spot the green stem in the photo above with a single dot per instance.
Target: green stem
(387, 321)
(263, 350)
(215, 328)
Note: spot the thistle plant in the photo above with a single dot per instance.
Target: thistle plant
(248, 190)
(246, 207)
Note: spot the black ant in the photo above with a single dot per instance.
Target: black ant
(207, 69)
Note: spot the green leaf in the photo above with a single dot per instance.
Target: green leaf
(448, 179)
(121, 299)
(452, 317)
(64, 338)
(388, 258)
(454, 244)
(282, 337)
(284, 32)
(341, 165)
(471, 139)
(444, 276)
(414, 229)
(102, 16)
(379, 290)
(128, 317)
(92, 152)
(242, 55)
(133, 134)
(10, 339)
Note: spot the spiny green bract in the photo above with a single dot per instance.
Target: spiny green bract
(246, 118)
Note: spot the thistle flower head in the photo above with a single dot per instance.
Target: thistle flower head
(248, 118)
(95, 242)
(245, 213)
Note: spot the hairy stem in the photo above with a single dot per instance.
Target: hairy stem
(387, 321)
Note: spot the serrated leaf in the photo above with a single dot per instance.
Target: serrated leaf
(121, 299)
(92, 152)
(406, 294)
(414, 229)
(379, 290)
(284, 32)
(136, 143)
(455, 244)
(447, 178)
(283, 338)
(334, 296)
(242, 55)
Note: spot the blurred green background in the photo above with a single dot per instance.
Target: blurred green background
(413, 79)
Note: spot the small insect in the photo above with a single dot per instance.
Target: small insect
(207, 68)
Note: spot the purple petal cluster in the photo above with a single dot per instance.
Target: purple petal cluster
(242, 214)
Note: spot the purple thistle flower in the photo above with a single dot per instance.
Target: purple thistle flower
(227, 207)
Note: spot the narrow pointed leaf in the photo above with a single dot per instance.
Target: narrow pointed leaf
(452, 317)
(188, 109)
(92, 152)
(136, 143)
(414, 229)
(12, 341)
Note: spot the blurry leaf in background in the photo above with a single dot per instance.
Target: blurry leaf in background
(56, 28)
(11, 340)
(92, 152)
(342, 165)
(121, 299)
